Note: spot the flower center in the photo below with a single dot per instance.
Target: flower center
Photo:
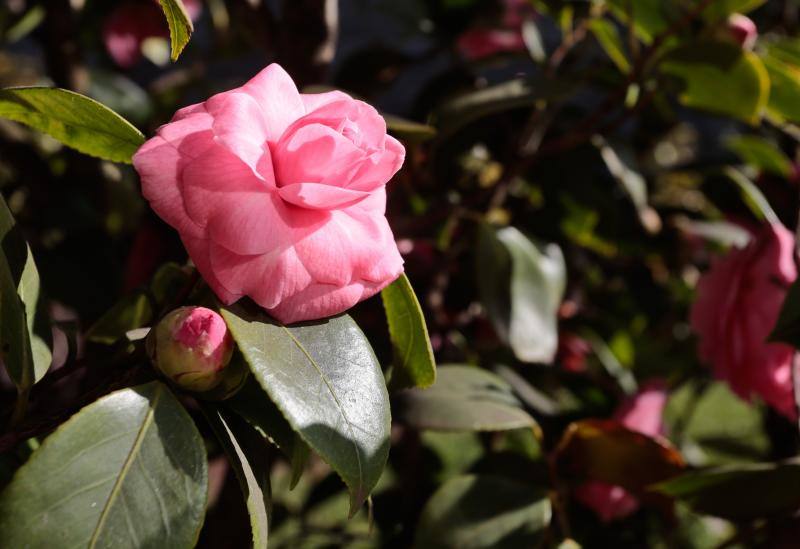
(349, 129)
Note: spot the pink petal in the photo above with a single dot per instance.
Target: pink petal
(318, 196)
(319, 301)
(199, 251)
(267, 278)
(609, 502)
(315, 154)
(381, 166)
(240, 126)
(313, 101)
(161, 162)
(275, 92)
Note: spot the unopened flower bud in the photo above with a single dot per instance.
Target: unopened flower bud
(192, 346)
(742, 30)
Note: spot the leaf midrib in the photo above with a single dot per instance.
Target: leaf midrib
(137, 444)
(335, 399)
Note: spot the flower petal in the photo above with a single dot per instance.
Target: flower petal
(318, 196)
(275, 92)
(240, 126)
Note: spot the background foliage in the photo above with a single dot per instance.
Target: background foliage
(572, 167)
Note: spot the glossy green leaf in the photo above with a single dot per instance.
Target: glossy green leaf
(521, 285)
(761, 154)
(180, 25)
(740, 492)
(720, 78)
(129, 470)
(23, 338)
(414, 365)
(74, 119)
(247, 453)
(609, 39)
(464, 398)
(326, 381)
(475, 512)
(650, 17)
(752, 196)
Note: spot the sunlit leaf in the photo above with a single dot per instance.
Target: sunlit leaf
(74, 119)
(414, 365)
(521, 285)
(180, 25)
(473, 512)
(325, 379)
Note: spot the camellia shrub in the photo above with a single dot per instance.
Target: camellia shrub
(431, 274)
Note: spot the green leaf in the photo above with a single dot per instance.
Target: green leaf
(129, 470)
(650, 17)
(785, 88)
(474, 512)
(464, 398)
(74, 119)
(608, 38)
(326, 381)
(752, 196)
(521, 286)
(414, 365)
(787, 328)
(254, 405)
(247, 453)
(23, 338)
(180, 25)
(741, 492)
(720, 9)
(761, 154)
(720, 78)
(408, 130)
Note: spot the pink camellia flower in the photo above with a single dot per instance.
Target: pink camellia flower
(642, 413)
(742, 30)
(737, 305)
(192, 347)
(133, 22)
(279, 196)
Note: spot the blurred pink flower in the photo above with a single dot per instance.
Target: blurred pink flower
(737, 305)
(572, 351)
(481, 42)
(279, 196)
(642, 413)
(132, 22)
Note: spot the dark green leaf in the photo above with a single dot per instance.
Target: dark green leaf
(414, 365)
(650, 17)
(129, 470)
(326, 381)
(473, 512)
(75, 120)
(180, 25)
(408, 130)
(464, 398)
(720, 78)
(787, 329)
(23, 339)
(761, 154)
(609, 39)
(741, 492)
(720, 9)
(521, 286)
(247, 453)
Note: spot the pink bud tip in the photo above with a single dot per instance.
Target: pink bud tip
(192, 347)
(742, 30)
